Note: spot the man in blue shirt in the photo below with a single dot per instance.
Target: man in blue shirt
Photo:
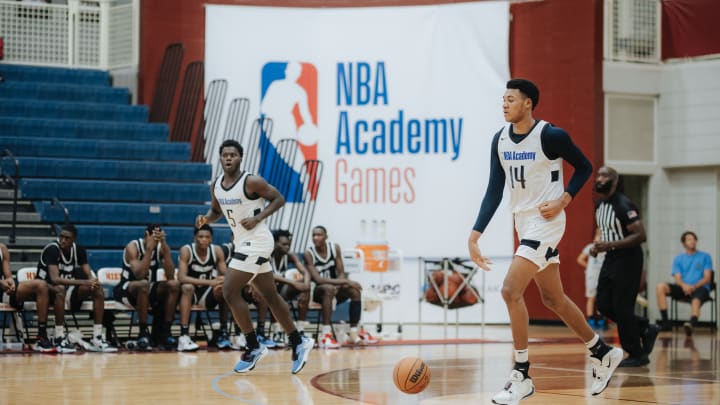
(692, 273)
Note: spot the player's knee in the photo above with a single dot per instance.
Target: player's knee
(188, 289)
(173, 285)
(510, 294)
(142, 286)
(661, 288)
(552, 301)
(59, 291)
(39, 287)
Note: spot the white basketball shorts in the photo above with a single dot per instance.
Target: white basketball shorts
(539, 237)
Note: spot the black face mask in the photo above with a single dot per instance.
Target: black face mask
(603, 188)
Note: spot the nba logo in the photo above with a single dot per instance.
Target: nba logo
(289, 97)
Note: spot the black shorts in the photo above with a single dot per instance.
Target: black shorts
(677, 293)
(203, 295)
(121, 293)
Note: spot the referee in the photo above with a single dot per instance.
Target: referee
(622, 233)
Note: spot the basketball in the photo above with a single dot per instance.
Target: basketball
(451, 289)
(411, 375)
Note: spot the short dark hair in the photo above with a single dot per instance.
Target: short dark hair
(322, 228)
(526, 87)
(685, 234)
(204, 227)
(231, 143)
(151, 227)
(279, 233)
(70, 228)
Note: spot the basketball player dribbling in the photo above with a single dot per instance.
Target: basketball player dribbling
(246, 201)
(527, 155)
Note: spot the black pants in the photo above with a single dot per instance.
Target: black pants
(617, 290)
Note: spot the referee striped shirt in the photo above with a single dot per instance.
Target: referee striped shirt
(614, 215)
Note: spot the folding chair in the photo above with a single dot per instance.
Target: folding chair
(713, 305)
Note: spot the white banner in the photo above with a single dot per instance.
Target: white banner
(399, 103)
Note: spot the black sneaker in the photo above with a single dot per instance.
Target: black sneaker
(688, 327)
(648, 338)
(665, 326)
(635, 361)
(43, 345)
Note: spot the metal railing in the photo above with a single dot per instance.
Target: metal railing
(633, 30)
(13, 180)
(102, 34)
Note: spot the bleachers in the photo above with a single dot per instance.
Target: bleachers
(121, 213)
(77, 139)
(113, 169)
(64, 92)
(107, 149)
(88, 130)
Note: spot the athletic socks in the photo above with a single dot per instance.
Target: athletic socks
(597, 347)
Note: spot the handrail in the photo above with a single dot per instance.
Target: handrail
(56, 203)
(6, 153)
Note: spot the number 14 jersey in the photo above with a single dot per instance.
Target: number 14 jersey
(530, 175)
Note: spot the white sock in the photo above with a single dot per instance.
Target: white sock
(521, 356)
(326, 329)
(97, 331)
(300, 325)
(60, 331)
(592, 341)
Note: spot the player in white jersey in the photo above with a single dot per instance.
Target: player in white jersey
(246, 200)
(527, 156)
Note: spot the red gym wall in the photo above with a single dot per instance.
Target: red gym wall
(557, 44)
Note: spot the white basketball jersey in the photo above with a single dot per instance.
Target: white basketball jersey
(531, 177)
(236, 205)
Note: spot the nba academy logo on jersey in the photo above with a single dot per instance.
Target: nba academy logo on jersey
(289, 96)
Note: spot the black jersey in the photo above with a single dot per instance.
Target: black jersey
(70, 267)
(202, 269)
(614, 215)
(155, 261)
(324, 265)
(281, 268)
(228, 249)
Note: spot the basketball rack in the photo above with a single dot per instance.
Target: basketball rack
(467, 270)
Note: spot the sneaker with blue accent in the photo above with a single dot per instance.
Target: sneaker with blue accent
(269, 343)
(300, 354)
(223, 341)
(250, 358)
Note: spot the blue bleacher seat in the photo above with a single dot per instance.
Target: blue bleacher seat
(114, 169)
(42, 74)
(84, 212)
(72, 110)
(91, 148)
(65, 92)
(106, 190)
(41, 127)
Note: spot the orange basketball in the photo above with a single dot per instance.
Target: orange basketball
(431, 295)
(411, 375)
(438, 277)
(455, 277)
(451, 289)
(468, 296)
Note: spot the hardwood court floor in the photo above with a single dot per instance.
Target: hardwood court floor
(682, 371)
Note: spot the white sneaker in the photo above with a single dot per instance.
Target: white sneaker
(98, 344)
(185, 344)
(238, 342)
(516, 389)
(604, 369)
(327, 342)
